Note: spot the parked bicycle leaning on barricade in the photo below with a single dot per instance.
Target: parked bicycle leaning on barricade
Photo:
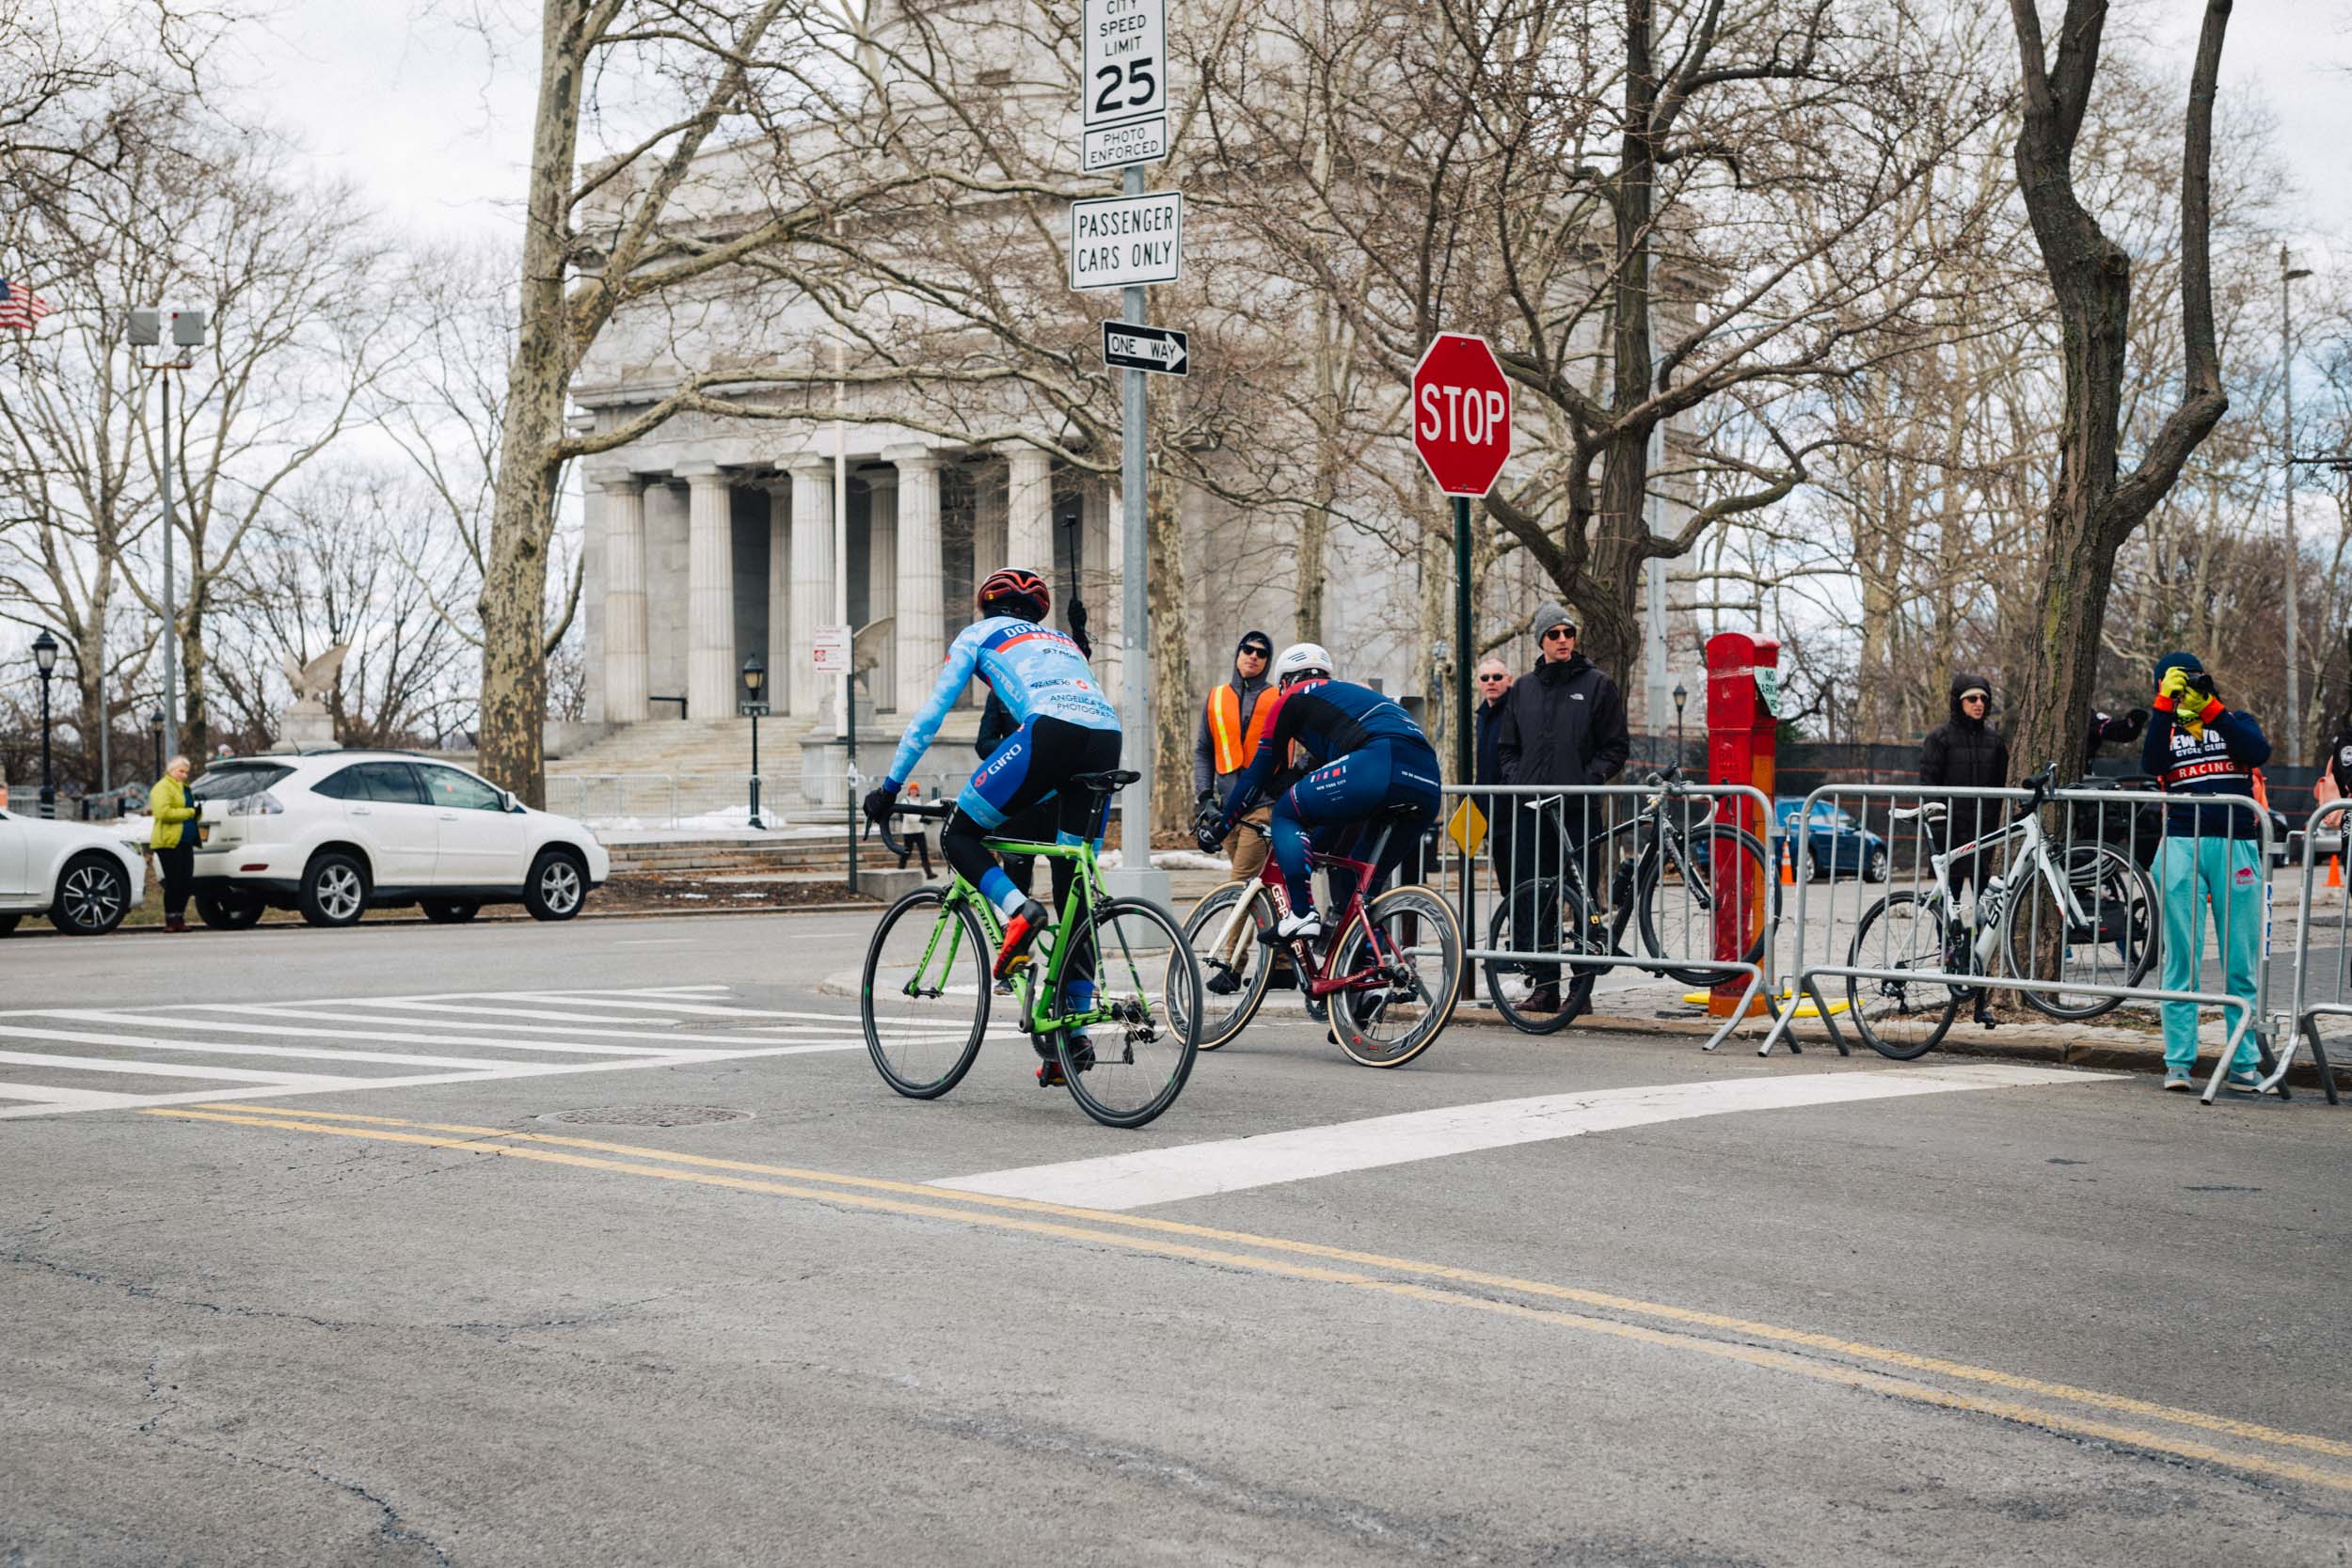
(2072, 924)
(1675, 860)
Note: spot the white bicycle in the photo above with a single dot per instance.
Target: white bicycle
(2081, 917)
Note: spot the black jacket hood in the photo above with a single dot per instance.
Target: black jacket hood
(1965, 682)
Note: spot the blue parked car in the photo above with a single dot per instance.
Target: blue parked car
(1829, 843)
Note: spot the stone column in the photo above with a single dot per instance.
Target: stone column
(989, 527)
(625, 644)
(921, 596)
(1029, 513)
(812, 573)
(881, 579)
(709, 592)
(779, 597)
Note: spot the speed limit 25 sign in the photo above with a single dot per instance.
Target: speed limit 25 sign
(1127, 62)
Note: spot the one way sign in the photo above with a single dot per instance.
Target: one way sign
(1128, 346)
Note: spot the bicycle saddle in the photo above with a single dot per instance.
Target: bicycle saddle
(1108, 781)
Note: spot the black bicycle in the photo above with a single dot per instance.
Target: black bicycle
(1681, 869)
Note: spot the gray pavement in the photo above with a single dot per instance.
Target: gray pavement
(2067, 1319)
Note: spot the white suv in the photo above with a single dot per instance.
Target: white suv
(332, 834)
(83, 876)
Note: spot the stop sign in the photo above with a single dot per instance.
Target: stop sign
(1461, 414)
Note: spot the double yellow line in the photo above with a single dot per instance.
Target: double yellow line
(1825, 1358)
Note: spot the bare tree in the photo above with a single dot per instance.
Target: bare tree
(2096, 506)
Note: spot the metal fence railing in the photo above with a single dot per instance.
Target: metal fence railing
(1564, 887)
(1920, 901)
(2323, 975)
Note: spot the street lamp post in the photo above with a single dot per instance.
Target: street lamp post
(1681, 695)
(45, 660)
(146, 330)
(2287, 275)
(155, 728)
(755, 681)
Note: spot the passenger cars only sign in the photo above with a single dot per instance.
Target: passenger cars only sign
(1121, 240)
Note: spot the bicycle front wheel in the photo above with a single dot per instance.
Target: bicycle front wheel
(2108, 940)
(1510, 982)
(1225, 930)
(1679, 903)
(1408, 934)
(1134, 967)
(1902, 1016)
(924, 995)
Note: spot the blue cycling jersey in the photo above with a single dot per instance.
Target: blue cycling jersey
(1035, 670)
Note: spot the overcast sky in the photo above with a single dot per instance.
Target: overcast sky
(414, 108)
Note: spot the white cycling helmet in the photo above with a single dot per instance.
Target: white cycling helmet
(1299, 660)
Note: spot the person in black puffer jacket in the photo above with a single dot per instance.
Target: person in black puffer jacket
(1967, 752)
(1563, 724)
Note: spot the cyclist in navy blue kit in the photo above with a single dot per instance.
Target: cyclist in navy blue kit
(1366, 757)
(1066, 728)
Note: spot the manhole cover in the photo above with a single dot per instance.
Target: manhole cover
(646, 1116)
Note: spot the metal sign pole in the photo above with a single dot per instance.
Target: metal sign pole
(1465, 770)
(1135, 812)
(171, 619)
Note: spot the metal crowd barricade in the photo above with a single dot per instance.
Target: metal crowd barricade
(2311, 1000)
(1636, 865)
(2092, 933)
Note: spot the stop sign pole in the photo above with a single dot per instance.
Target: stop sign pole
(1462, 430)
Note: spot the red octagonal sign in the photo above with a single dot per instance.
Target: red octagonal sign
(1461, 414)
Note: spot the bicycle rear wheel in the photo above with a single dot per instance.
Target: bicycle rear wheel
(1902, 1018)
(1396, 1018)
(1676, 903)
(1131, 1066)
(924, 996)
(1239, 914)
(1509, 984)
(2113, 945)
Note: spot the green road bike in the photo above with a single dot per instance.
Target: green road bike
(1111, 990)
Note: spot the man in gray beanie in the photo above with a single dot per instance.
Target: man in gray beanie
(1564, 723)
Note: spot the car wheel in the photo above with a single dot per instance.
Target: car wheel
(1874, 866)
(557, 887)
(450, 912)
(334, 891)
(228, 911)
(93, 895)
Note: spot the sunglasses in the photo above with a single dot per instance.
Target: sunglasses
(1974, 697)
(1257, 653)
(1492, 679)
(1563, 633)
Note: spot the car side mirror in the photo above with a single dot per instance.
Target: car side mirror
(513, 804)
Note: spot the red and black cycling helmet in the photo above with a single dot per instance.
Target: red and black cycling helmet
(1014, 592)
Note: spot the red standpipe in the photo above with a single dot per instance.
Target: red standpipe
(1741, 745)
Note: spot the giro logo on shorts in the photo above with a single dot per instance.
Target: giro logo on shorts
(2244, 876)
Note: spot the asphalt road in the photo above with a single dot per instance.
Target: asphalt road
(1680, 1310)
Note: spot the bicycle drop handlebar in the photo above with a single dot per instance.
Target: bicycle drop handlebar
(937, 811)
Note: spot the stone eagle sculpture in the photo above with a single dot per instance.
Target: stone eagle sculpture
(313, 681)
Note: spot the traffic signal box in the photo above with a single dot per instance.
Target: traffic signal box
(1742, 736)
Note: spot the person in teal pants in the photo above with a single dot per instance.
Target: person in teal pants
(2211, 854)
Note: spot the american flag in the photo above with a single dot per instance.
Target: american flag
(20, 307)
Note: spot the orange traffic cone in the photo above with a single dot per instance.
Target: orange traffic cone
(1788, 865)
(2335, 871)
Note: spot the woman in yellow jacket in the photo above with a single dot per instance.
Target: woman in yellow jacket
(173, 840)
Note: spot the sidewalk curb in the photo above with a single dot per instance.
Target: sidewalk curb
(2008, 1042)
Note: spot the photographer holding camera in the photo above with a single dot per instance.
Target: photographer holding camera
(2196, 746)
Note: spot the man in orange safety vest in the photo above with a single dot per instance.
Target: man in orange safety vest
(1232, 721)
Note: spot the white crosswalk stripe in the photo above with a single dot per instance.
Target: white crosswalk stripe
(62, 1060)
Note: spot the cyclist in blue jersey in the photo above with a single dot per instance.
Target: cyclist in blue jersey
(1366, 755)
(1066, 727)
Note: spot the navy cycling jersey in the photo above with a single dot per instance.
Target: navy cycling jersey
(1035, 670)
(1328, 720)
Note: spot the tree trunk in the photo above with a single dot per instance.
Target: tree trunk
(1172, 693)
(2093, 511)
(515, 577)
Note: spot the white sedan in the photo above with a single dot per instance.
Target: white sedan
(85, 876)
